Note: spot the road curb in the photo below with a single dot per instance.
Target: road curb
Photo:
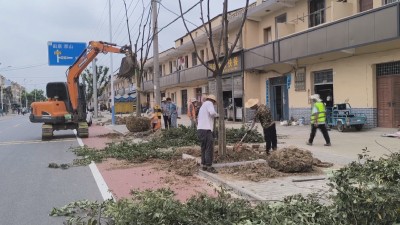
(239, 163)
(240, 191)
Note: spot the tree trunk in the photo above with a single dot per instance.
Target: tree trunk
(138, 106)
(221, 120)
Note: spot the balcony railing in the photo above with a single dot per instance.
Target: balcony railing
(198, 72)
(147, 85)
(194, 73)
(169, 80)
(369, 27)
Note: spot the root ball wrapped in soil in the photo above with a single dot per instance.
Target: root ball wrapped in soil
(291, 159)
(138, 124)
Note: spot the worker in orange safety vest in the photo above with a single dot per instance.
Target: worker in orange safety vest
(192, 111)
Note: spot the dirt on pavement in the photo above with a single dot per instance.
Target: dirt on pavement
(259, 172)
(237, 156)
(110, 135)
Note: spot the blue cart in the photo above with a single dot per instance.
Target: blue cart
(342, 117)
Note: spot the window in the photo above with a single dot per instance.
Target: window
(368, 4)
(267, 35)
(279, 19)
(323, 77)
(385, 2)
(186, 62)
(202, 54)
(160, 70)
(300, 81)
(392, 68)
(194, 59)
(170, 66)
(181, 41)
(317, 12)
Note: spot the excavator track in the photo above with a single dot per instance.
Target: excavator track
(47, 131)
(83, 130)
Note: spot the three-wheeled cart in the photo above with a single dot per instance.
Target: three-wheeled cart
(342, 117)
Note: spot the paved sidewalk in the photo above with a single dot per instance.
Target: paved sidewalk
(141, 176)
(345, 145)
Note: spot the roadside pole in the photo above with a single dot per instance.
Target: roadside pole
(111, 68)
(95, 87)
(157, 94)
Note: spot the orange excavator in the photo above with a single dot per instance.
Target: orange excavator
(66, 105)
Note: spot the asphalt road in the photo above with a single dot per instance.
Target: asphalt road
(28, 188)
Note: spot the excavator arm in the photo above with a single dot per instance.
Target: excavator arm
(83, 61)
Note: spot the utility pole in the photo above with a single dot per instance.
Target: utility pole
(35, 92)
(157, 94)
(1, 86)
(95, 87)
(111, 68)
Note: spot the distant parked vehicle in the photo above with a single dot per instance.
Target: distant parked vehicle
(342, 117)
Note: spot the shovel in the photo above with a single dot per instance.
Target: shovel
(238, 146)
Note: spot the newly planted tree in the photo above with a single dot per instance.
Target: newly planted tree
(220, 62)
(142, 46)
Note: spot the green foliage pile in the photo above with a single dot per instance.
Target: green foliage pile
(361, 193)
(234, 135)
(368, 193)
(155, 148)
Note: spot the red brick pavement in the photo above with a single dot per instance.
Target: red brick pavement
(143, 177)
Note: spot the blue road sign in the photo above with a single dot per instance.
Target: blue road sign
(64, 53)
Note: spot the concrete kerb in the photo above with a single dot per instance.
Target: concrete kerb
(242, 192)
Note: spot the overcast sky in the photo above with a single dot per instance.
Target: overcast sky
(26, 26)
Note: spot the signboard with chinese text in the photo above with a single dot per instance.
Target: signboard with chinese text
(64, 53)
(234, 64)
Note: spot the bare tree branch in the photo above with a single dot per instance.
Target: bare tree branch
(191, 37)
(240, 29)
(211, 40)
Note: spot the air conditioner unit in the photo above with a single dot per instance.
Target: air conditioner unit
(204, 90)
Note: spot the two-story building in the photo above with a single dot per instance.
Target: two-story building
(346, 51)
(183, 77)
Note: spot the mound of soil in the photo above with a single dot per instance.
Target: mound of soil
(110, 135)
(291, 159)
(319, 163)
(118, 120)
(190, 150)
(252, 171)
(236, 156)
(259, 171)
(138, 124)
(182, 167)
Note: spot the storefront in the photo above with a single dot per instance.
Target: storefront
(232, 87)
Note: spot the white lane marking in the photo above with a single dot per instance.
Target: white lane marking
(101, 183)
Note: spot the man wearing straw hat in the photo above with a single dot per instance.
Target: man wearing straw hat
(318, 120)
(205, 132)
(264, 116)
(165, 113)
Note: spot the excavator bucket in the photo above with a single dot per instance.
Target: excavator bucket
(127, 68)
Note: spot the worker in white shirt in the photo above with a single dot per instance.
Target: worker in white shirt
(205, 131)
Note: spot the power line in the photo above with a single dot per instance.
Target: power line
(136, 23)
(103, 22)
(172, 22)
(22, 67)
(122, 20)
(100, 19)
